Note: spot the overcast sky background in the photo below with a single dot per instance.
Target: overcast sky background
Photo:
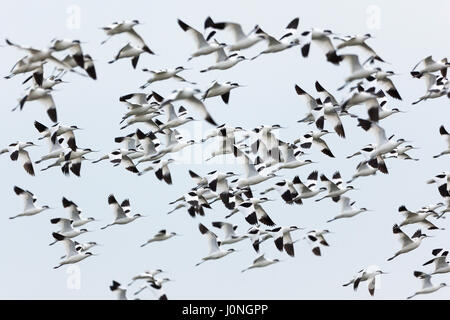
(406, 34)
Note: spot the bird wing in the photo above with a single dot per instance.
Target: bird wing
(312, 179)
(368, 49)
(309, 100)
(30, 50)
(65, 224)
(227, 228)
(27, 197)
(119, 212)
(25, 159)
(70, 248)
(197, 104)
(345, 204)
(169, 110)
(221, 55)
(440, 262)
(335, 121)
(428, 224)
(128, 163)
(70, 206)
(325, 94)
(212, 242)
(330, 185)
(261, 258)
(402, 237)
(198, 36)
(353, 61)
(430, 80)
(426, 61)
(236, 29)
(426, 279)
(287, 237)
(138, 41)
(325, 43)
(380, 134)
(213, 85)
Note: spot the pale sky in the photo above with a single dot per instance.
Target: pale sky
(403, 36)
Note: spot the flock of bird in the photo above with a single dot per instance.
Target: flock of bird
(259, 150)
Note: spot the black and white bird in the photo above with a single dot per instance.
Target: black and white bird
(436, 87)
(42, 95)
(283, 239)
(347, 210)
(308, 189)
(74, 46)
(17, 152)
(241, 40)
(23, 66)
(383, 80)
(439, 260)
(261, 262)
(357, 71)
(164, 74)
(215, 252)
(35, 55)
(427, 286)
(401, 153)
(315, 110)
(229, 233)
(220, 89)
(253, 211)
(217, 182)
(161, 168)
(67, 229)
(30, 209)
(368, 274)
(364, 169)
(146, 275)
(429, 65)
(287, 41)
(75, 213)
(316, 238)
(224, 61)
(323, 39)
(188, 94)
(58, 130)
(369, 98)
(162, 235)
(315, 137)
(122, 212)
(131, 51)
(126, 27)
(203, 46)
(383, 145)
(252, 175)
(72, 254)
(286, 190)
(358, 41)
(416, 217)
(408, 244)
(335, 187)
